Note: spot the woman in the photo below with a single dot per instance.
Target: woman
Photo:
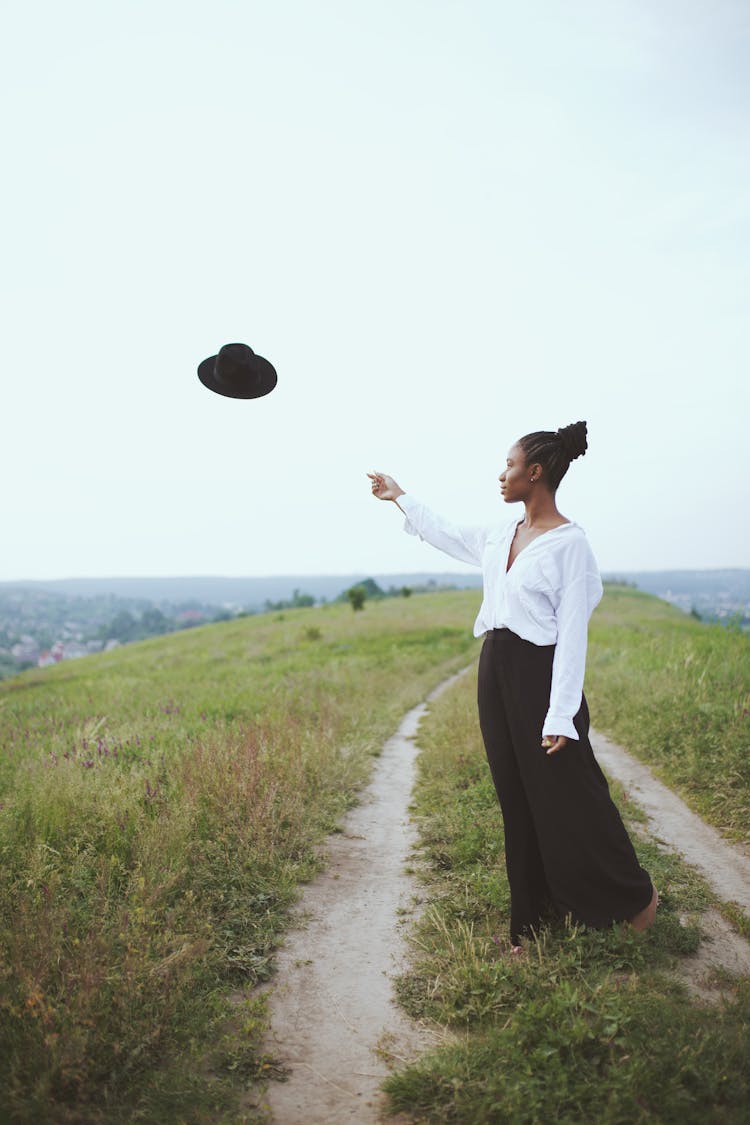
(565, 844)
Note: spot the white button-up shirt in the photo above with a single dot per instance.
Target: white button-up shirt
(547, 596)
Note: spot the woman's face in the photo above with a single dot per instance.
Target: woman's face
(516, 476)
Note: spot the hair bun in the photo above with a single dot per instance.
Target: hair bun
(573, 438)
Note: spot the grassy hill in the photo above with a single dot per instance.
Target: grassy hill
(676, 692)
(160, 804)
(588, 1026)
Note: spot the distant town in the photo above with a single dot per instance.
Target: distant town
(44, 623)
(718, 596)
(41, 626)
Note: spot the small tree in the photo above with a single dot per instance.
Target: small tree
(371, 588)
(302, 601)
(356, 596)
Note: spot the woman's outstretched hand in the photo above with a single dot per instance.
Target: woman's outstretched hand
(385, 487)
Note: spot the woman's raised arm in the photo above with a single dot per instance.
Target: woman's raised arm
(463, 543)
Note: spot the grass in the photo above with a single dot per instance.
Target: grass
(589, 1026)
(567, 1056)
(676, 692)
(159, 807)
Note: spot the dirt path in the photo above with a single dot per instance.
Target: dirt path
(332, 1010)
(333, 1016)
(724, 866)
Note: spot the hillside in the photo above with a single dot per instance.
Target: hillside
(586, 1026)
(676, 692)
(160, 805)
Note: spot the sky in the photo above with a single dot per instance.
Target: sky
(447, 223)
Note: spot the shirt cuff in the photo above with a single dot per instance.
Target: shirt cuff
(406, 502)
(554, 724)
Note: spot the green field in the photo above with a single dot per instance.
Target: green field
(676, 692)
(159, 806)
(586, 1027)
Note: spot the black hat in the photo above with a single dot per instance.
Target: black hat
(237, 372)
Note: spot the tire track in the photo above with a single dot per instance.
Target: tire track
(334, 1019)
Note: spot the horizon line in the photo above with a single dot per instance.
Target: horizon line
(475, 572)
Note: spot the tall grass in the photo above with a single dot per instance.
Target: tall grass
(159, 807)
(676, 692)
(587, 1027)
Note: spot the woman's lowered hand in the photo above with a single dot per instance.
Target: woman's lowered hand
(385, 487)
(553, 742)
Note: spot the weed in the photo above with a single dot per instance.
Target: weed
(737, 917)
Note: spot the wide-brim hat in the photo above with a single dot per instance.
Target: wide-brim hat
(237, 372)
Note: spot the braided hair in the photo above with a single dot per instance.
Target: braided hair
(555, 451)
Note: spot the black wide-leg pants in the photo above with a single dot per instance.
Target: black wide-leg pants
(565, 844)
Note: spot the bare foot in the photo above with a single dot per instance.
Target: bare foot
(646, 917)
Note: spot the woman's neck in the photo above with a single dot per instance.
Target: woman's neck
(541, 510)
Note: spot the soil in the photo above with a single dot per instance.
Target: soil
(334, 1020)
(335, 1025)
(724, 866)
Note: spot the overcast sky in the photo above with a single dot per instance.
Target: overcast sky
(446, 223)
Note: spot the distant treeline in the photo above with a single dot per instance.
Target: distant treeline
(360, 592)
